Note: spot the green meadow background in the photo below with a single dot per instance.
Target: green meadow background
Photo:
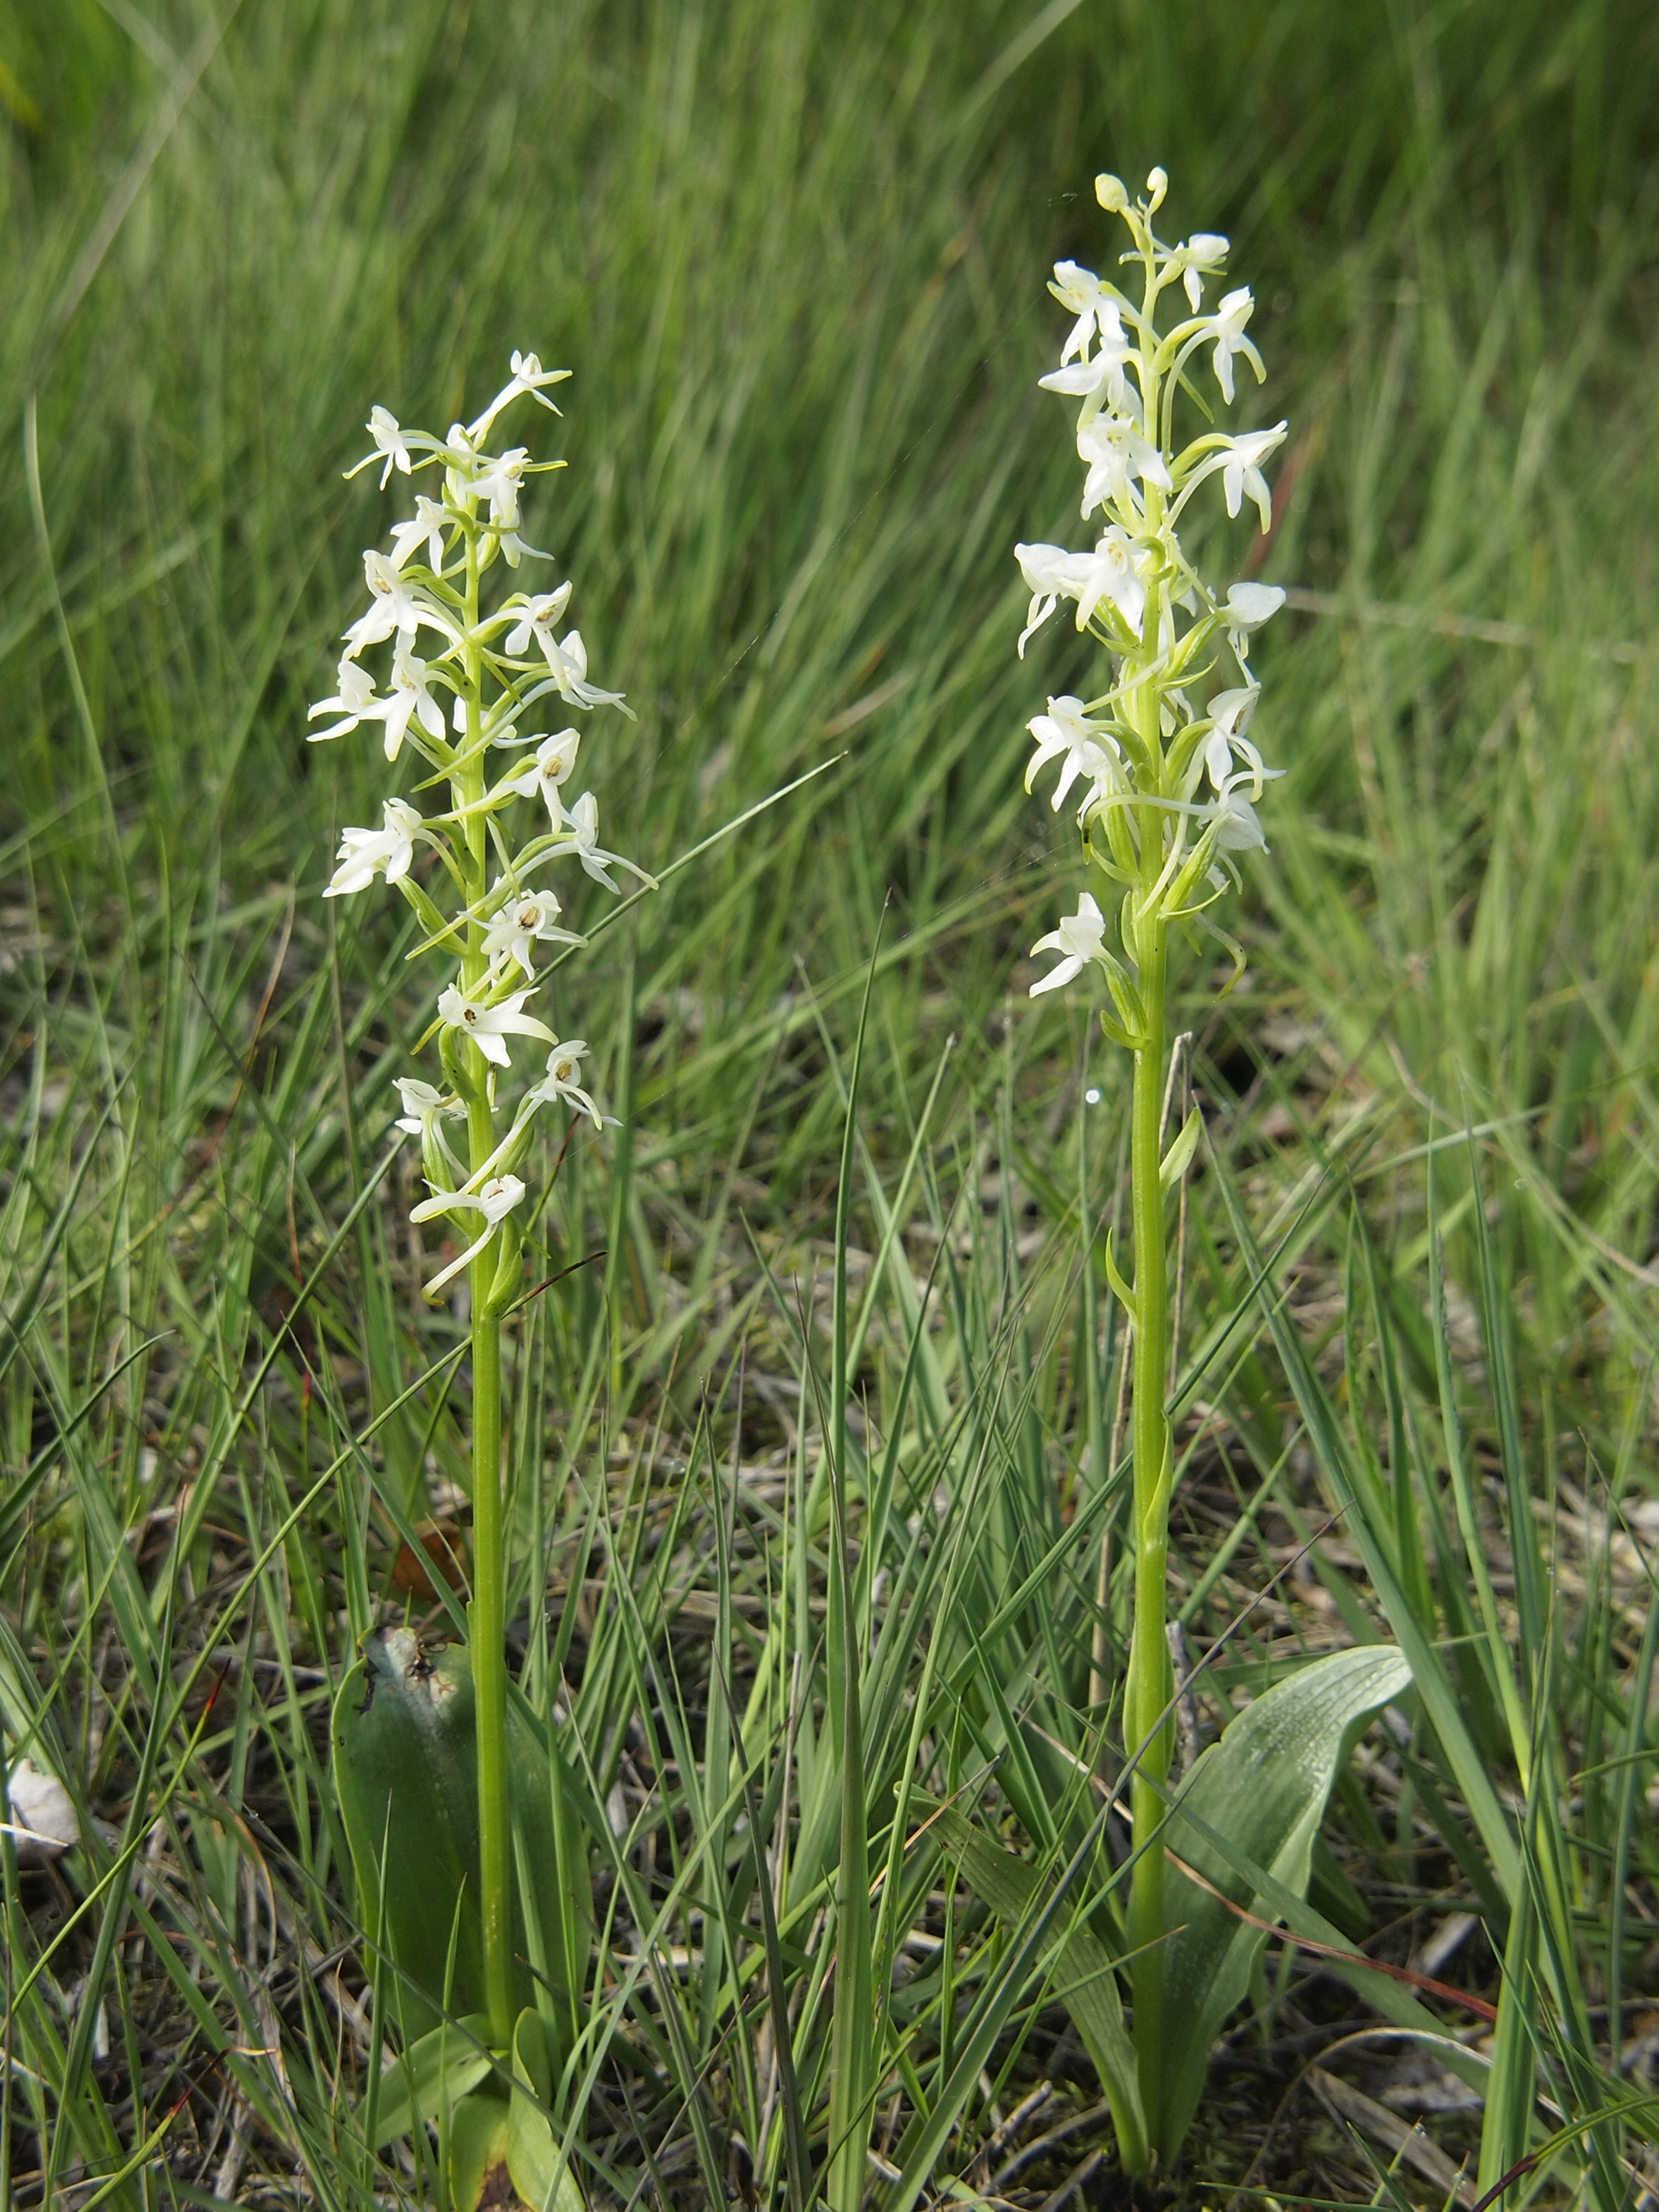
(795, 254)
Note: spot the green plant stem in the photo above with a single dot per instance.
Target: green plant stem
(1146, 1731)
(487, 1615)
(488, 1628)
(1146, 1727)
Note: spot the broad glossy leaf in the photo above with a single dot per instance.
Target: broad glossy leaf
(531, 2062)
(1263, 1788)
(404, 1761)
(405, 1765)
(433, 2072)
(479, 2128)
(538, 2169)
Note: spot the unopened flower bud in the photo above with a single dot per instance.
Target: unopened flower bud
(1156, 184)
(1110, 192)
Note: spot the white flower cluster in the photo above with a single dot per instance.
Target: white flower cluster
(486, 678)
(1144, 751)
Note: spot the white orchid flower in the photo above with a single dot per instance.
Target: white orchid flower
(1114, 573)
(528, 375)
(1117, 453)
(365, 854)
(1067, 731)
(460, 454)
(495, 1199)
(429, 522)
(1081, 293)
(1079, 939)
(531, 918)
(1110, 572)
(355, 703)
(556, 756)
(1102, 764)
(1231, 712)
(560, 1084)
(410, 698)
(1230, 318)
(424, 1103)
(1205, 251)
(1249, 606)
(1241, 472)
(1238, 830)
(473, 475)
(1097, 382)
(389, 440)
(426, 1109)
(1052, 574)
(395, 606)
(501, 482)
(568, 660)
(1237, 461)
(1097, 379)
(489, 1027)
(581, 821)
(537, 618)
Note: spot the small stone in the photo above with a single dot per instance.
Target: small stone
(43, 1822)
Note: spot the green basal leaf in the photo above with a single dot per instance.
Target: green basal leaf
(531, 2064)
(479, 2154)
(404, 1761)
(538, 2169)
(432, 2074)
(405, 1766)
(1263, 1788)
